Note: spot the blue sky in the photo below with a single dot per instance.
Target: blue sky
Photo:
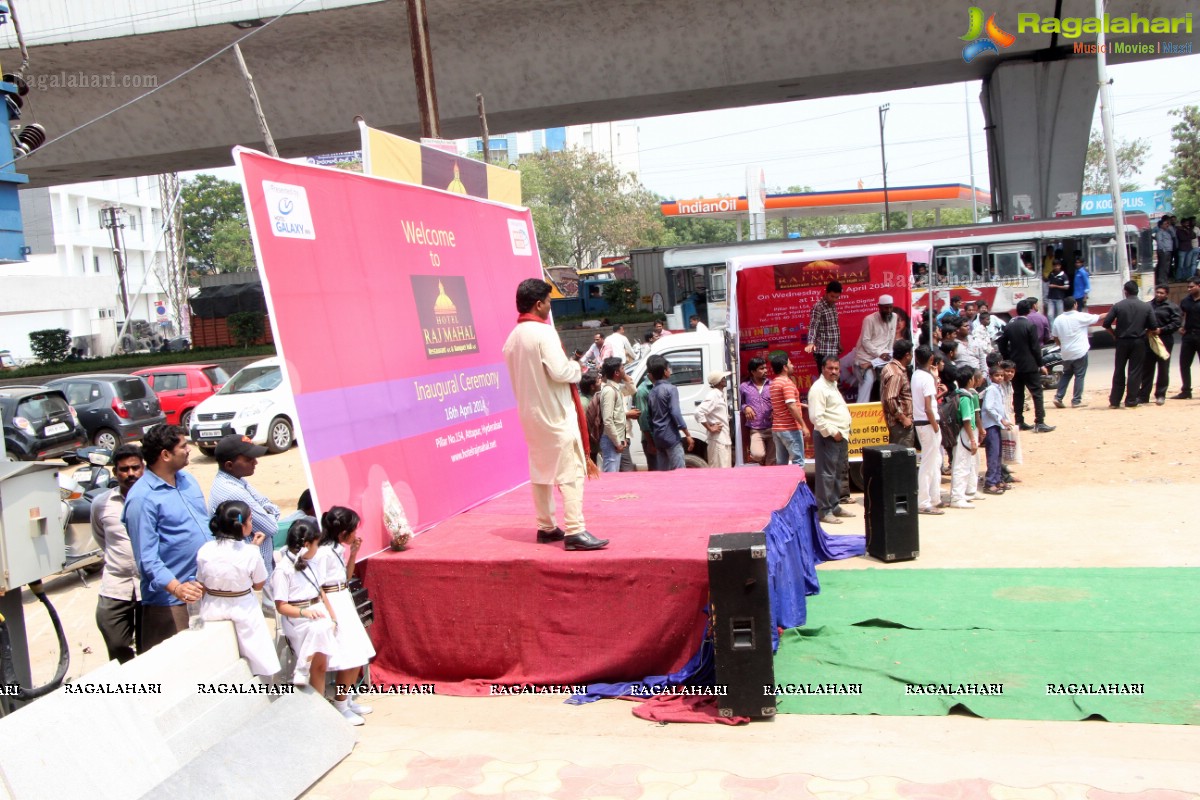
(833, 143)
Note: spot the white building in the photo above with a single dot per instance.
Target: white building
(616, 141)
(70, 280)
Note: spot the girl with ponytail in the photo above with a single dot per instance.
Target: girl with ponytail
(231, 569)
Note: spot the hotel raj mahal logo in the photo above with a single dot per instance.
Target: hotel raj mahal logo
(988, 37)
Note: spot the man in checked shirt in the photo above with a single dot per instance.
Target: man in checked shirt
(824, 337)
(237, 458)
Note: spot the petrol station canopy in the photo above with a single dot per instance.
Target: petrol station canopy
(904, 199)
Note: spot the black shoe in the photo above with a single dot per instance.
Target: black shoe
(1131, 405)
(1042, 427)
(547, 537)
(1025, 427)
(584, 541)
(1182, 396)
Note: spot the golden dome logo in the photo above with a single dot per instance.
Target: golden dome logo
(443, 306)
(444, 311)
(456, 184)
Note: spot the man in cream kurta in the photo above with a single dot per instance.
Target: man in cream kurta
(542, 378)
(874, 347)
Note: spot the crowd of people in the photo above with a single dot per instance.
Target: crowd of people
(173, 560)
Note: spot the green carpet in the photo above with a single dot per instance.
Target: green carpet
(999, 643)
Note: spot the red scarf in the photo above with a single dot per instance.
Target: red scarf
(579, 415)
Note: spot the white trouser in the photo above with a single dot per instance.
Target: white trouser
(866, 380)
(929, 476)
(961, 472)
(572, 495)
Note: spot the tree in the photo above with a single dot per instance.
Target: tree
(583, 207)
(231, 246)
(1182, 174)
(207, 203)
(1131, 157)
(246, 327)
(50, 346)
(697, 230)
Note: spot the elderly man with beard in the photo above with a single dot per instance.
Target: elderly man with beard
(874, 348)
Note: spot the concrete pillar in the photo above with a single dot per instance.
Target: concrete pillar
(1039, 115)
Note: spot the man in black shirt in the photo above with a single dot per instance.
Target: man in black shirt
(1020, 342)
(1189, 337)
(1128, 321)
(1165, 316)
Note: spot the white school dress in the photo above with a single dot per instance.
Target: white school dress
(229, 566)
(306, 636)
(354, 645)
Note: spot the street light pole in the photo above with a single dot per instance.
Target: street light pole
(887, 208)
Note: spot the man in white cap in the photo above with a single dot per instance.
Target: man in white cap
(713, 414)
(874, 347)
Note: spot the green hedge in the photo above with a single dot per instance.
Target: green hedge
(140, 361)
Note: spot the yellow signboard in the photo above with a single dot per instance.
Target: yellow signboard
(868, 428)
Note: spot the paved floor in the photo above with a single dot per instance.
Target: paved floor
(1090, 490)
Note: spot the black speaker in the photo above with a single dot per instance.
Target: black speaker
(741, 613)
(890, 475)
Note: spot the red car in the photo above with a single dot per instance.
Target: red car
(181, 387)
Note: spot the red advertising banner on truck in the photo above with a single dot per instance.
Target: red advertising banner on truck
(773, 304)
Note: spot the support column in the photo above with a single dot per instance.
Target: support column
(1039, 116)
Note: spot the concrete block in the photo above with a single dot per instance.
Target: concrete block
(198, 704)
(99, 746)
(187, 658)
(278, 754)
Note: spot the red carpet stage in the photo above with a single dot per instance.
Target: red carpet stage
(475, 601)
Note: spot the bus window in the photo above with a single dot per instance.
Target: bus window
(1007, 262)
(716, 286)
(1102, 255)
(959, 264)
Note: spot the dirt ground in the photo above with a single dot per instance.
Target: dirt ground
(1106, 489)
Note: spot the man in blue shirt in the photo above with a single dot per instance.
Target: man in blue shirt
(167, 521)
(667, 427)
(237, 457)
(1081, 284)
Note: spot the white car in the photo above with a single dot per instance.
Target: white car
(256, 403)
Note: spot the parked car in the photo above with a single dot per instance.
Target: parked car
(182, 387)
(113, 409)
(38, 423)
(256, 403)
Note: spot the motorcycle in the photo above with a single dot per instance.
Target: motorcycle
(1052, 360)
(77, 491)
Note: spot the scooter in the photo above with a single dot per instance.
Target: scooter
(77, 491)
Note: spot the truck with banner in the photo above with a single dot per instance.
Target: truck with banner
(771, 301)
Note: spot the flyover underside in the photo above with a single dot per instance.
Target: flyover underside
(538, 64)
(1039, 119)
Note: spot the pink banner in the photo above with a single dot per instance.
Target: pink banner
(390, 304)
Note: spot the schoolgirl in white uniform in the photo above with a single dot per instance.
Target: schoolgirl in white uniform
(338, 527)
(308, 622)
(230, 570)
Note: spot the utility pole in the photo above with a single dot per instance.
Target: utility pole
(971, 156)
(487, 153)
(258, 111)
(173, 274)
(1106, 123)
(112, 221)
(418, 34)
(887, 208)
